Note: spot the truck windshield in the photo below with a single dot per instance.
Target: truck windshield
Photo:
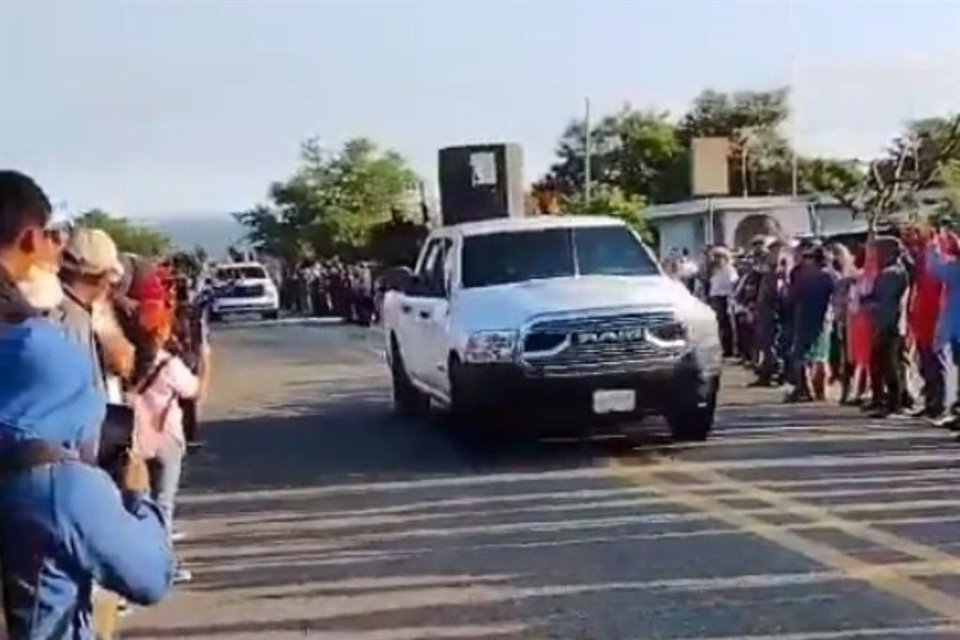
(516, 256)
(241, 273)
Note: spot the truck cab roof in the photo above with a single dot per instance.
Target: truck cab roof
(533, 223)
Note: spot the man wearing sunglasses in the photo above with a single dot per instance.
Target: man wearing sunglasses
(63, 522)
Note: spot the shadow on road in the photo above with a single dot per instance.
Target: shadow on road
(348, 434)
(353, 437)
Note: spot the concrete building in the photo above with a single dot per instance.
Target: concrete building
(734, 222)
(692, 224)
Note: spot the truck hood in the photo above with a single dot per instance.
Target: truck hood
(510, 306)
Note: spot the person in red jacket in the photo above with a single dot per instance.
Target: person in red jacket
(923, 314)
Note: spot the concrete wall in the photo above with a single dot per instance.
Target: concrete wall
(682, 224)
(681, 232)
(688, 231)
(834, 220)
(792, 220)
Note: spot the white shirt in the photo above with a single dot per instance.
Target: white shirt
(722, 282)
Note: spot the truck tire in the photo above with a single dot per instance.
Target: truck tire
(467, 415)
(408, 401)
(462, 404)
(270, 315)
(689, 421)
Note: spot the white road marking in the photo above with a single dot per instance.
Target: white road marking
(931, 476)
(677, 466)
(949, 630)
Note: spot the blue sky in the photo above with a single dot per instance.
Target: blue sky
(164, 108)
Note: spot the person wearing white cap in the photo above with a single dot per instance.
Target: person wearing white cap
(90, 266)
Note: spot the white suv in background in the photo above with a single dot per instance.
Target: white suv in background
(244, 287)
(568, 320)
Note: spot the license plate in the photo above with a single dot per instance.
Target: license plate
(614, 401)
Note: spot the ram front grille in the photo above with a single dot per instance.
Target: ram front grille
(248, 291)
(593, 345)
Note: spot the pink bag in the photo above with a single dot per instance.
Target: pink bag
(148, 424)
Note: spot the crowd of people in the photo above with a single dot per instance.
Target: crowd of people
(331, 288)
(855, 318)
(103, 356)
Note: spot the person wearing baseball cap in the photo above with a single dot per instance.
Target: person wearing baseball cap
(93, 252)
(89, 267)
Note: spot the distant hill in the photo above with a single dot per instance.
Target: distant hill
(214, 232)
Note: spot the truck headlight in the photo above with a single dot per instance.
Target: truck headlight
(703, 331)
(670, 334)
(705, 339)
(486, 347)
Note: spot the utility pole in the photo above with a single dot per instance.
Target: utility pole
(586, 154)
(744, 151)
(424, 209)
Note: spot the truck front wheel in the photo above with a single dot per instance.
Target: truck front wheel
(462, 404)
(469, 416)
(693, 421)
(408, 401)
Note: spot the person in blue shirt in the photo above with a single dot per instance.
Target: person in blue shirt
(64, 524)
(886, 303)
(943, 259)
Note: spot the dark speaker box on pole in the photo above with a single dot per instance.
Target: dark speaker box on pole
(481, 181)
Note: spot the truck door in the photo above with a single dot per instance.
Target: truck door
(434, 315)
(417, 308)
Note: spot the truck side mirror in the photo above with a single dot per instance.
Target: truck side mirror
(423, 287)
(398, 279)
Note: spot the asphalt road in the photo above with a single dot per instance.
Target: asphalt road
(314, 513)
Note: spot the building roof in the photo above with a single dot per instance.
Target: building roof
(926, 198)
(701, 205)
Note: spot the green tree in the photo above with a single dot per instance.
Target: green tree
(608, 200)
(567, 174)
(936, 144)
(827, 176)
(396, 242)
(718, 114)
(759, 161)
(646, 153)
(920, 158)
(331, 203)
(129, 236)
(950, 177)
(648, 156)
(636, 151)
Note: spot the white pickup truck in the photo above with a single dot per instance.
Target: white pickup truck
(566, 319)
(244, 287)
